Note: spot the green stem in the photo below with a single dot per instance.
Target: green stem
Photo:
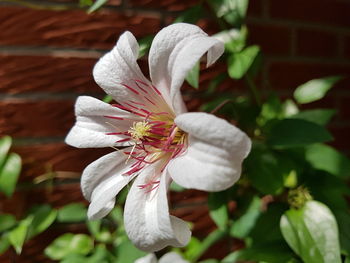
(253, 89)
(213, 237)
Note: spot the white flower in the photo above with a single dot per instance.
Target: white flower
(196, 150)
(170, 257)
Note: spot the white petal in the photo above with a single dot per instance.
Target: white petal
(102, 180)
(214, 156)
(174, 52)
(150, 258)
(91, 127)
(172, 257)
(118, 68)
(146, 215)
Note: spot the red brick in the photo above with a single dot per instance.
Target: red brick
(347, 46)
(21, 74)
(33, 250)
(328, 12)
(110, 2)
(20, 118)
(255, 8)
(73, 28)
(329, 102)
(275, 40)
(40, 158)
(169, 5)
(56, 196)
(316, 43)
(288, 75)
(341, 135)
(345, 109)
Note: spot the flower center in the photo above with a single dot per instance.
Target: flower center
(154, 138)
(139, 130)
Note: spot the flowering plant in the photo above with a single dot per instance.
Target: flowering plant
(285, 201)
(163, 142)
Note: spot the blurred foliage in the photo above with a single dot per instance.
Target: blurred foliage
(288, 206)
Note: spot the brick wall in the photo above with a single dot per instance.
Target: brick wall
(46, 57)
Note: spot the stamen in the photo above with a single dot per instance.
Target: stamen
(139, 130)
(155, 138)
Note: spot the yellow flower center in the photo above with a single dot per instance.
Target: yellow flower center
(140, 130)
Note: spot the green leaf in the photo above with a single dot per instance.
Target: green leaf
(295, 133)
(18, 235)
(324, 157)
(193, 247)
(343, 219)
(266, 253)
(290, 108)
(266, 170)
(318, 116)
(74, 212)
(127, 252)
(6, 222)
(43, 217)
(117, 215)
(190, 15)
(232, 11)
(218, 209)
(271, 109)
(265, 229)
(5, 145)
(74, 258)
(176, 188)
(4, 243)
(98, 4)
(239, 63)
(101, 255)
(9, 174)
(242, 226)
(314, 89)
(234, 39)
(144, 45)
(85, 3)
(193, 76)
(209, 261)
(211, 239)
(107, 99)
(347, 260)
(328, 189)
(94, 226)
(312, 233)
(102, 234)
(69, 244)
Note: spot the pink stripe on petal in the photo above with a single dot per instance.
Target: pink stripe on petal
(117, 133)
(150, 101)
(137, 103)
(160, 94)
(132, 89)
(124, 140)
(114, 117)
(137, 84)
